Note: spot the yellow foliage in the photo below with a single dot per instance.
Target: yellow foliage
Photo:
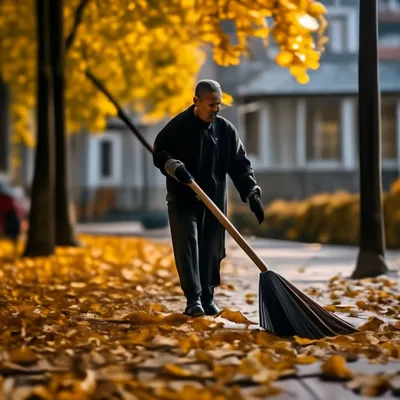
(323, 218)
(148, 53)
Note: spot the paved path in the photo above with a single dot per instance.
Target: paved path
(304, 265)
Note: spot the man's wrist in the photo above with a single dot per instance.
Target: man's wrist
(171, 165)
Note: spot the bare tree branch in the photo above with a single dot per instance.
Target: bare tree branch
(77, 21)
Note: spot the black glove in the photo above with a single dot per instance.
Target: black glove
(183, 175)
(257, 207)
(177, 170)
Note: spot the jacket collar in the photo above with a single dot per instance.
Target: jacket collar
(189, 114)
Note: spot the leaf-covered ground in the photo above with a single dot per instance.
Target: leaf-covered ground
(104, 322)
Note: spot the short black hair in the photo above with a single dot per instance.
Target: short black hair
(207, 86)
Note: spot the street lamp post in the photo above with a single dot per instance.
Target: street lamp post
(370, 260)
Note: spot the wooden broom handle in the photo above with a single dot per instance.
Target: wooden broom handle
(229, 227)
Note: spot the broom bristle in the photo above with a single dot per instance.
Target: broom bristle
(286, 311)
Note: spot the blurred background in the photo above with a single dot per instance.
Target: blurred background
(302, 139)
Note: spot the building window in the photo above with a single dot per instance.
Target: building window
(388, 129)
(252, 129)
(388, 5)
(323, 130)
(337, 32)
(105, 159)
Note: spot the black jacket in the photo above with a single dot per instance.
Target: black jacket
(209, 152)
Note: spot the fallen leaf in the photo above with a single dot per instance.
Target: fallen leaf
(373, 324)
(176, 370)
(304, 359)
(369, 385)
(265, 376)
(303, 341)
(338, 308)
(189, 342)
(203, 324)
(235, 316)
(336, 368)
(23, 356)
(265, 391)
(176, 319)
(142, 318)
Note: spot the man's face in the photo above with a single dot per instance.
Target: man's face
(207, 106)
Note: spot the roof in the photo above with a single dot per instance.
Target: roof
(331, 78)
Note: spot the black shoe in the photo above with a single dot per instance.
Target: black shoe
(194, 309)
(210, 308)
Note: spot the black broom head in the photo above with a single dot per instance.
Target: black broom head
(286, 311)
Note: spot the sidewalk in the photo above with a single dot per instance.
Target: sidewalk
(305, 265)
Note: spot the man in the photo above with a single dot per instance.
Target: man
(200, 144)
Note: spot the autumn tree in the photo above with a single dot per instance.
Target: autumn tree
(148, 53)
(41, 241)
(64, 234)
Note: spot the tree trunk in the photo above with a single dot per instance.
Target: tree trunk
(65, 235)
(40, 240)
(371, 260)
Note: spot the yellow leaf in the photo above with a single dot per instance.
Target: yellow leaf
(266, 338)
(266, 391)
(202, 324)
(265, 376)
(303, 79)
(235, 316)
(303, 359)
(363, 306)
(176, 319)
(23, 356)
(284, 59)
(307, 21)
(316, 9)
(370, 385)
(176, 370)
(188, 343)
(142, 318)
(338, 308)
(203, 356)
(336, 367)
(227, 99)
(373, 324)
(303, 341)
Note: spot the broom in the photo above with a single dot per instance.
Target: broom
(284, 310)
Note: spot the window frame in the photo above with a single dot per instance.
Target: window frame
(243, 109)
(115, 139)
(350, 15)
(327, 163)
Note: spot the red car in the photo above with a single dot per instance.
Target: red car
(12, 200)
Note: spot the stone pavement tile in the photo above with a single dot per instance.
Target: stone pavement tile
(322, 390)
(292, 389)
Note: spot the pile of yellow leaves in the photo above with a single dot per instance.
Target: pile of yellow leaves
(104, 321)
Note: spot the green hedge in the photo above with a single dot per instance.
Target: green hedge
(322, 218)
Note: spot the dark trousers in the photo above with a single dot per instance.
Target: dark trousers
(196, 237)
